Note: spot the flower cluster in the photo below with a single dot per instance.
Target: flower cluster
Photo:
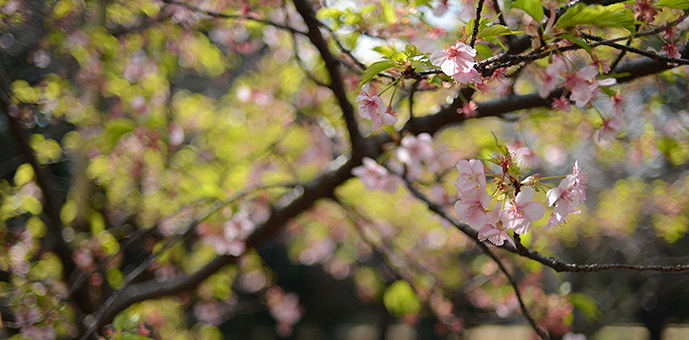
(516, 208)
(372, 107)
(457, 62)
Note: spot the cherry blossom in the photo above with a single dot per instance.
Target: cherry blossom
(672, 51)
(551, 77)
(375, 176)
(471, 175)
(457, 62)
(284, 308)
(494, 230)
(372, 107)
(618, 105)
(440, 8)
(608, 130)
(562, 104)
(519, 214)
(413, 151)
(566, 197)
(579, 84)
(210, 312)
(471, 208)
(384, 118)
(582, 84)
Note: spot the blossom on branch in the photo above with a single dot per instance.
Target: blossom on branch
(471, 175)
(372, 107)
(566, 197)
(494, 230)
(375, 176)
(519, 214)
(471, 208)
(413, 151)
(457, 62)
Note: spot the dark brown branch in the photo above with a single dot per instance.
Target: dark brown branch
(479, 8)
(341, 46)
(332, 64)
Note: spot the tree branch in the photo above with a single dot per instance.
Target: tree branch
(234, 16)
(332, 64)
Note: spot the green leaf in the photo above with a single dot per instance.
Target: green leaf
(597, 15)
(329, 13)
(373, 70)
(586, 305)
(388, 12)
(120, 321)
(399, 57)
(579, 42)
(484, 51)
(496, 30)
(679, 4)
(385, 50)
(534, 8)
(411, 51)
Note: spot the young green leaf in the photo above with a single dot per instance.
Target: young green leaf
(534, 8)
(484, 51)
(679, 4)
(373, 70)
(579, 42)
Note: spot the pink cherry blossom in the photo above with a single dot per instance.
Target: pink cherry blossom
(551, 78)
(519, 214)
(471, 175)
(567, 196)
(457, 62)
(494, 230)
(440, 9)
(375, 176)
(579, 84)
(383, 118)
(672, 51)
(471, 208)
(618, 105)
(580, 178)
(466, 77)
(370, 105)
(526, 156)
(608, 131)
(562, 104)
(413, 151)
(582, 85)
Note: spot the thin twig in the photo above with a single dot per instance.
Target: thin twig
(621, 55)
(341, 46)
(234, 16)
(477, 21)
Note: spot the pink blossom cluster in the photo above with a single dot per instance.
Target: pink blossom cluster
(457, 62)
(613, 124)
(375, 176)
(516, 208)
(372, 107)
(285, 309)
(234, 234)
(581, 84)
(413, 151)
(566, 197)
